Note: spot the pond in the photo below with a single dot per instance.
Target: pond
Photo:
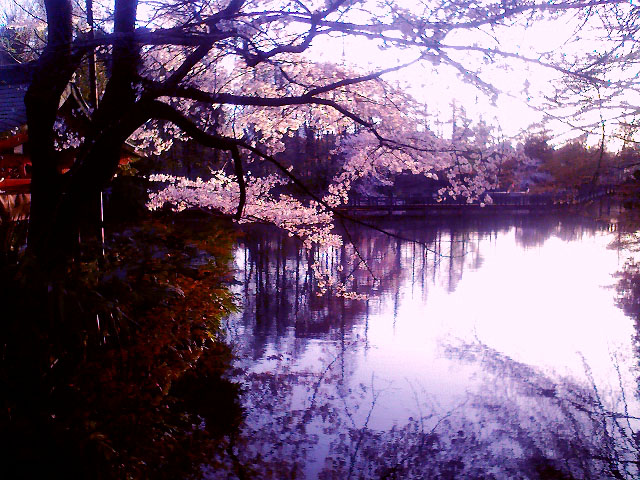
(486, 348)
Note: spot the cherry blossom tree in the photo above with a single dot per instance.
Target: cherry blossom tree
(237, 77)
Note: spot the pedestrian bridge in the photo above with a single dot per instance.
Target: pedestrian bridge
(507, 202)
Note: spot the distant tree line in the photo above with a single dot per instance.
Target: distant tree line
(575, 166)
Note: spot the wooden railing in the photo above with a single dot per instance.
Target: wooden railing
(506, 199)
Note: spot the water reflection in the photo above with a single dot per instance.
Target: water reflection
(277, 279)
(487, 350)
(628, 289)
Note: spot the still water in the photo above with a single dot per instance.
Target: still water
(487, 348)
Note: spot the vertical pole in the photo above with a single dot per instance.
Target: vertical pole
(93, 98)
(102, 220)
(93, 86)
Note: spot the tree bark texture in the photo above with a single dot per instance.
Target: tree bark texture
(52, 73)
(58, 200)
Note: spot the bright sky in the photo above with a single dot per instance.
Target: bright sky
(523, 85)
(440, 86)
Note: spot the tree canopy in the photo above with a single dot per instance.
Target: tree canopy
(239, 77)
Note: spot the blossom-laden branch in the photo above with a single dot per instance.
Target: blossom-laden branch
(239, 76)
(313, 223)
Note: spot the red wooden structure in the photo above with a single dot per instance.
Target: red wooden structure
(15, 166)
(15, 162)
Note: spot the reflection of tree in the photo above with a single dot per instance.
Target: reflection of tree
(518, 423)
(308, 415)
(278, 291)
(558, 427)
(628, 289)
(533, 233)
(291, 410)
(279, 288)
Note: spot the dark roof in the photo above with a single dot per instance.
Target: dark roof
(19, 73)
(14, 81)
(12, 110)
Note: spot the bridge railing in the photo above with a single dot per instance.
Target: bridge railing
(499, 198)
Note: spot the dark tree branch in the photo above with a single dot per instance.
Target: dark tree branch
(160, 110)
(52, 73)
(156, 37)
(191, 61)
(522, 58)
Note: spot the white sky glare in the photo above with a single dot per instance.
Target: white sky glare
(523, 85)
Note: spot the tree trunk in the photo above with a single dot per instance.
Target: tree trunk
(58, 200)
(51, 75)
